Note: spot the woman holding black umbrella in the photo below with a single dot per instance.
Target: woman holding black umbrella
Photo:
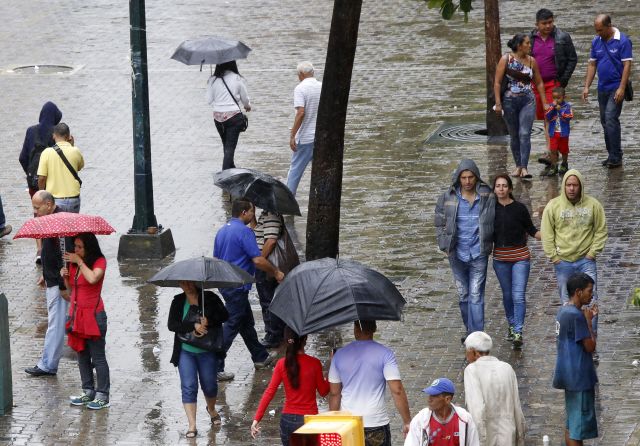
(225, 90)
(194, 362)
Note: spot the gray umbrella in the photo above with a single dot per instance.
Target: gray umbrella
(208, 272)
(210, 50)
(259, 188)
(328, 292)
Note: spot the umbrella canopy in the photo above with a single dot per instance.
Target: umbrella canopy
(259, 188)
(329, 292)
(210, 50)
(63, 224)
(208, 272)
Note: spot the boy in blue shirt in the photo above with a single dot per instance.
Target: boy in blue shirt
(575, 372)
(558, 116)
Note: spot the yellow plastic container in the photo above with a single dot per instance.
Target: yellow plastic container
(330, 429)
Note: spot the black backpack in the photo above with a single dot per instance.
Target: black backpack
(34, 158)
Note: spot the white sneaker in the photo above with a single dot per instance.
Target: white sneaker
(225, 376)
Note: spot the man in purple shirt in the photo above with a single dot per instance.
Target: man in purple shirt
(556, 56)
(236, 243)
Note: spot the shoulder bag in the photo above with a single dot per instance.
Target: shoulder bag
(245, 118)
(628, 91)
(284, 255)
(67, 163)
(212, 341)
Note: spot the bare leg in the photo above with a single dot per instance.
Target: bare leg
(190, 410)
(523, 171)
(517, 172)
(211, 406)
(546, 135)
(553, 156)
(39, 245)
(569, 442)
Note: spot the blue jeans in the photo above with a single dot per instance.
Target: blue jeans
(300, 159)
(240, 321)
(2, 218)
(57, 310)
(610, 120)
(229, 132)
(377, 436)
(192, 366)
(513, 278)
(273, 325)
(565, 269)
(519, 113)
(470, 278)
(68, 205)
(93, 356)
(289, 423)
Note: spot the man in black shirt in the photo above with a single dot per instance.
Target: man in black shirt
(57, 305)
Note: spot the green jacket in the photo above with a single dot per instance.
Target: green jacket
(573, 231)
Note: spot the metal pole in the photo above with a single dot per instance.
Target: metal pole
(143, 180)
(6, 383)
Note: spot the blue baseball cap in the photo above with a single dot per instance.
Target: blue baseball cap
(440, 385)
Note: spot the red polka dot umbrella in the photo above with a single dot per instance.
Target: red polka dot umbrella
(63, 224)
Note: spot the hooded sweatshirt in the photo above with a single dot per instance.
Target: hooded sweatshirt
(447, 209)
(50, 115)
(573, 231)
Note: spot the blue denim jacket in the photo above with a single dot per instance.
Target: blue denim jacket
(564, 114)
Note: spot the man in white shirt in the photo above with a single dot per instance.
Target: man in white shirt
(491, 394)
(358, 376)
(306, 98)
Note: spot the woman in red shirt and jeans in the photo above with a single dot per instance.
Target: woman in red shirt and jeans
(87, 323)
(302, 377)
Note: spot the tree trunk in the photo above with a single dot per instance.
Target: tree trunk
(495, 124)
(323, 220)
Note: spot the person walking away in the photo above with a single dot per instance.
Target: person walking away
(442, 423)
(611, 55)
(518, 101)
(306, 97)
(225, 90)
(575, 372)
(553, 50)
(87, 326)
(195, 363)
(491, 394)
(236, 243)
(557, 123)
(57, 303)
(464, 217)
(511, 256)
(358, 377)
(302, 377)
(37, 138)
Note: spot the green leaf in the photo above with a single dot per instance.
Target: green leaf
(448, 9)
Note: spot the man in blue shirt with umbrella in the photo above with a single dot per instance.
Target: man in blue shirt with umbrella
(236, 243)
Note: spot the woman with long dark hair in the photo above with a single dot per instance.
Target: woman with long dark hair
(225, 90)
(511, 255)
(302, 376)
(87, 324)
(518, 101)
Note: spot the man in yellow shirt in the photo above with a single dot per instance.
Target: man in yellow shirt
(55, 176)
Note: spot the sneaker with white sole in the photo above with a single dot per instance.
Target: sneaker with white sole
(263, 364)
(98, 404)
(81, 400)
(225, 376)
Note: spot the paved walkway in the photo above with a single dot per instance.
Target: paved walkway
(412, 72)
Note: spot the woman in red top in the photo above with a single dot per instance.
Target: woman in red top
(302, 377)
(87, 323)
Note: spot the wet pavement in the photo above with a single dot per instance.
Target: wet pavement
(412, 73)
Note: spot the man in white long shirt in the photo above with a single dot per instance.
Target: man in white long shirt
(491, 394)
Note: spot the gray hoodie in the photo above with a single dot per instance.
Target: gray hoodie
(447, 209)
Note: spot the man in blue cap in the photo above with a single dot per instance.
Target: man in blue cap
(442, 423)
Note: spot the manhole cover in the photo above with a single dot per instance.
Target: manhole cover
(472, 133)
(42, 69)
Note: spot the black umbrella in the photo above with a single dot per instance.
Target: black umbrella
(208, 272)
(259, 188)
(210, 50)
(329, 292)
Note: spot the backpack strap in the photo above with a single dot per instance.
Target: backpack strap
(67, 163)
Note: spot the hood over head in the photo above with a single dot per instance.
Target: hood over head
(50, 115)
(578, 175)
(465, 164)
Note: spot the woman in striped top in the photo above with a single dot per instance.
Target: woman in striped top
(511, 254)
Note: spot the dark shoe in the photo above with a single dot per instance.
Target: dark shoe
(605, 162)
(614, 165)
(549, 171)
(544, 159)
(263, 364)
(270, 344)
(192, 434)
(462, 339)
(225, 376)
(563, 169)
(517, 341)
(6, 231)
(37, 371)
(510, 333)
(38, 260)
(215, 418)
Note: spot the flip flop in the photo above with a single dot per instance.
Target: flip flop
(527, 177)
(192, 434)
(215, 419)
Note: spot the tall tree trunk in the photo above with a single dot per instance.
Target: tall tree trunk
(323, 220)
(495, 124)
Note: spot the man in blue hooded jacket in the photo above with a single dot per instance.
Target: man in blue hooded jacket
(464, 227)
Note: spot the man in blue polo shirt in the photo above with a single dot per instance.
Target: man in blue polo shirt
(236, 243)
(611, 56)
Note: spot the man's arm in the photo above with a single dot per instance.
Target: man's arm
(297, 122)
(401, 402)
(264, 265)
(589, 344)
(335, 396)
(599, 232)
(549, 235)
(572, 61)
(42, 182)
(268, 246)
(591, 74)
(626, 71)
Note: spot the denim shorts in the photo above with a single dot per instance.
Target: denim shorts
(581, 414)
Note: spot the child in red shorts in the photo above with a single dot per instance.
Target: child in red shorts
(558, 116)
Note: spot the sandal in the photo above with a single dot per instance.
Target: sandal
(192, 434)
(215, 418)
